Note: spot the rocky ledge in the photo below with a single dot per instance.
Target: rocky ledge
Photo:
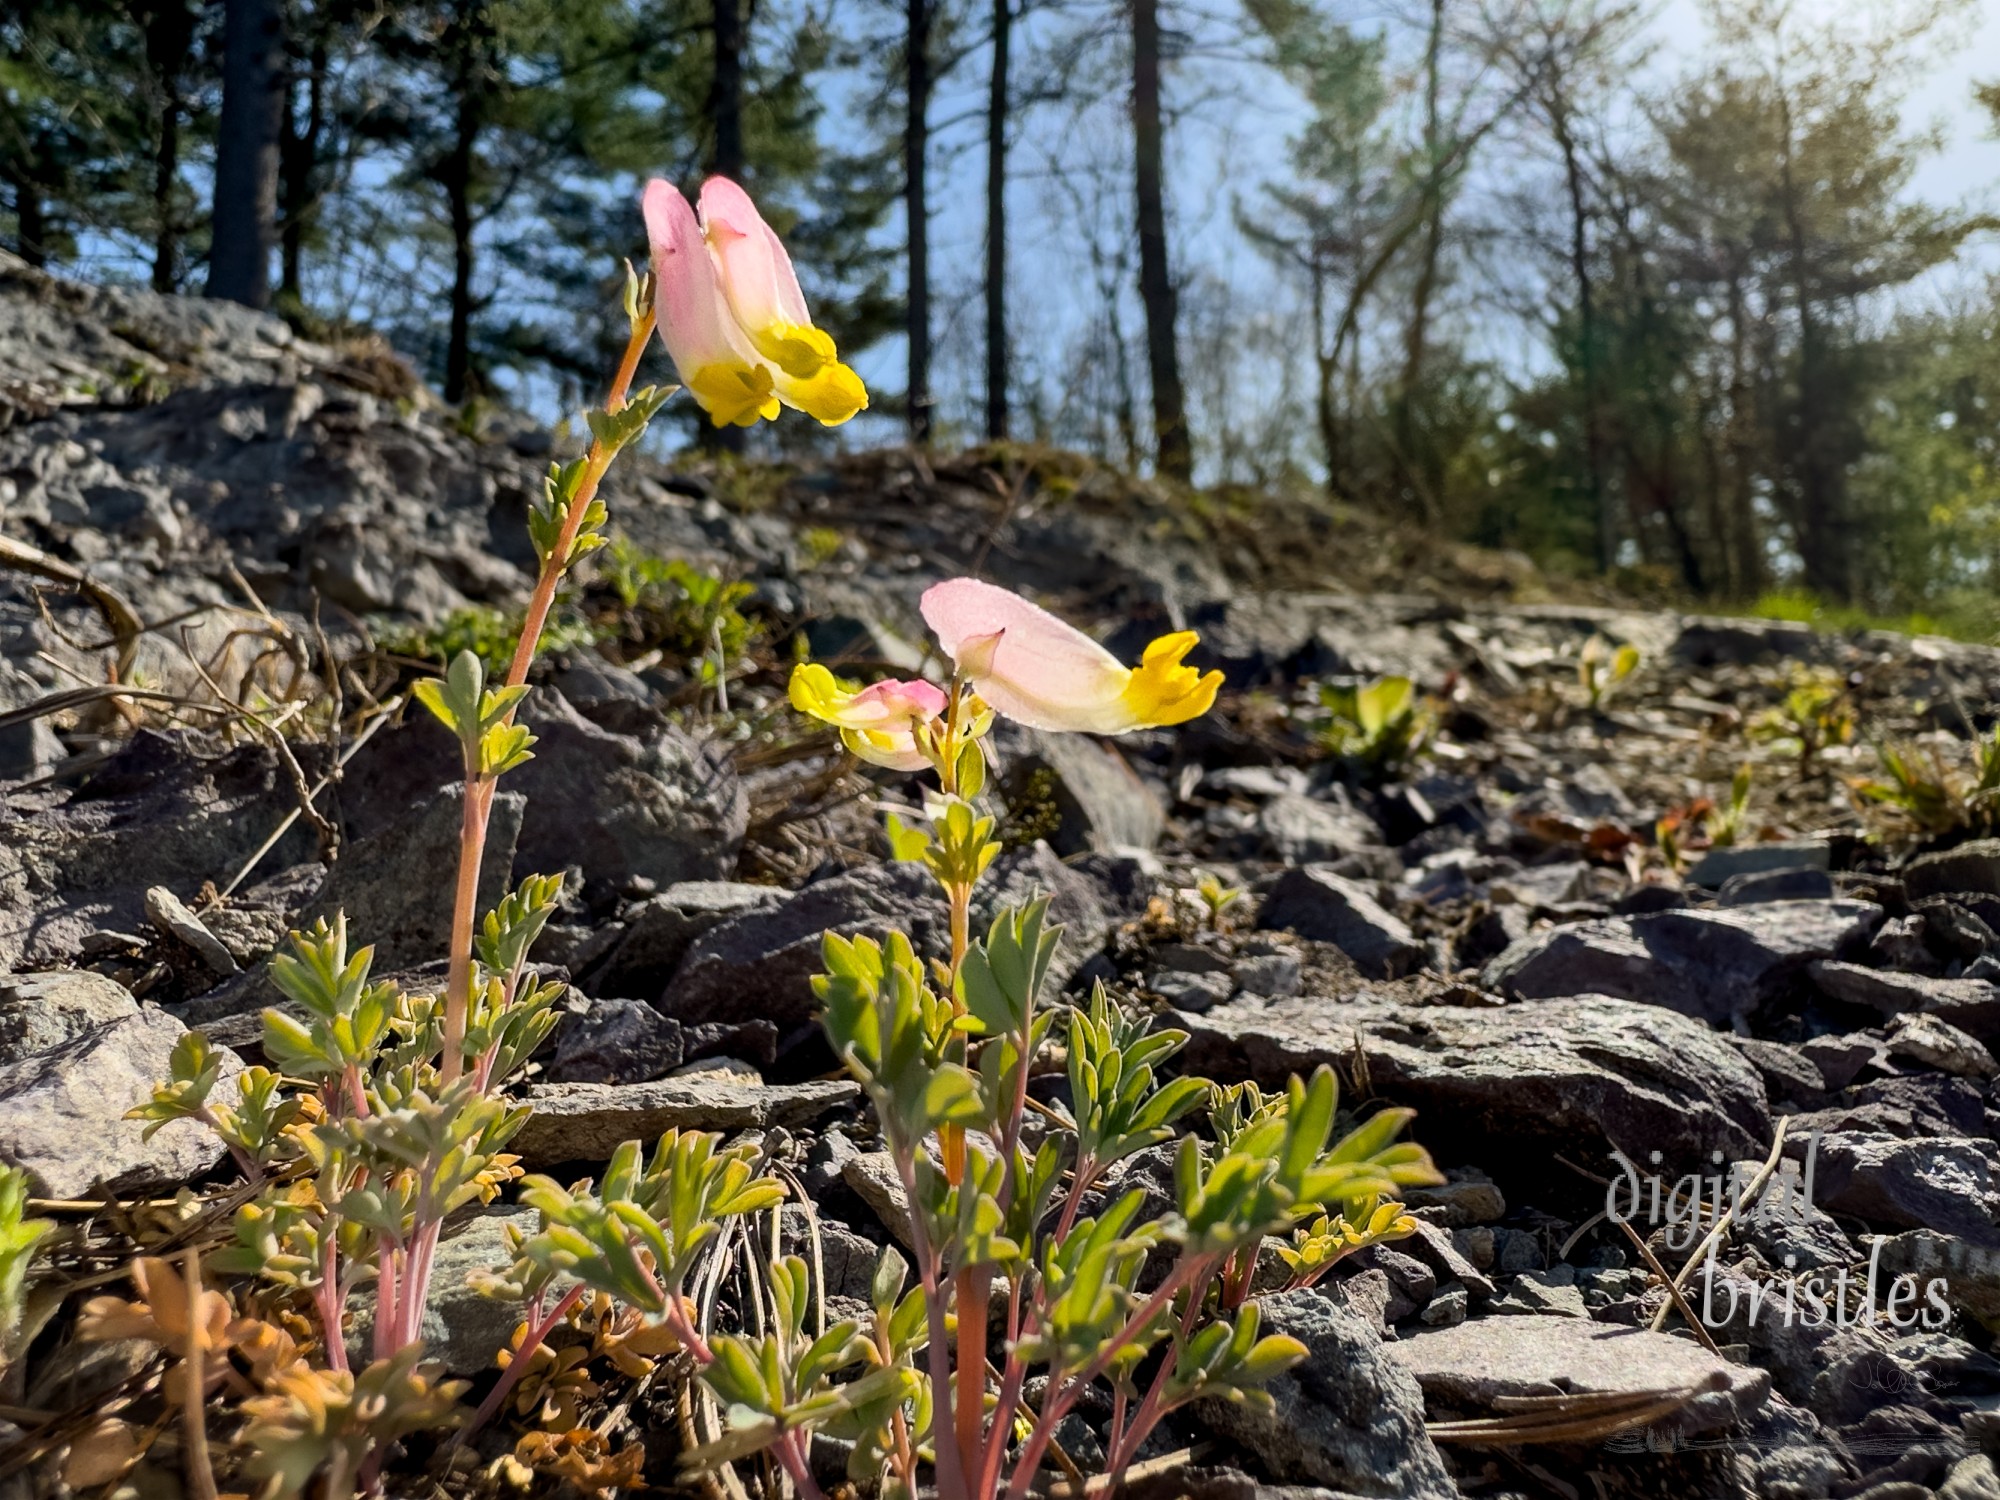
(1521, 931)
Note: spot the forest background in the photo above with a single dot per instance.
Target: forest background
(1704, 298)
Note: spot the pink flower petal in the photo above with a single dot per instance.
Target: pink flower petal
(695, 323)
(1027, 664)
(756, 273)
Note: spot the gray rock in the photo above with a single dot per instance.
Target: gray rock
(1786, 1455)
(622, 808)
(1349, 1416)
(1194, 993)
(615, 1041)
(1553, 1072)
(1370, 1296)
(1307, 830)
(408, 919)
(1733, 861)
(1543, 885)
(170, 915)
(761, 962)
(1971, 866)
(665, 808)
(1841, 1058)
(1714, 965)
(1544, 1292)
(1435, 1247)
(659, 935)
(587, 1121)
(1790, 1076)
(1273, 975)
(163, 811)
(873, 1177)
(1318, 904)
(40, 1011)
(1447, 1309)
(29, 751)
(1929, 1182)
(1972, 1478)
(62, 1112)
(1415, 1282)
(847, 1260)
(1470, 1197)
(1937, 1043)
(1972, 1005)
(1776, 885)
(1096, 800)
(1471, 1368)
(1970, 1268)
(248, 932)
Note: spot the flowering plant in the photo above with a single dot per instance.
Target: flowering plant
(999, 1201)
(384, 1110)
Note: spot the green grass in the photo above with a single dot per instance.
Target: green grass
(1975, 621)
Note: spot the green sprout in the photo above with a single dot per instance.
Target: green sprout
(1601, 668)
(1379, 727)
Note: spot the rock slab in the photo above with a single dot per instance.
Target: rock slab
(1348, 1416)
(40, 1011)
(62, 1113)
(1717, 966)
(1538, 1073)
(588, 1121)
(1318, 904)
(1468, 1368)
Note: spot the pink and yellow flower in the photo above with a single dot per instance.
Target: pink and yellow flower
(879, 722)
(732, 316)
(1034, 669)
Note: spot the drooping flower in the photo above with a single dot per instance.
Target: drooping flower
(732, 316)
(1036, 670)
(763, 293)
(716, 360)
(879, 722)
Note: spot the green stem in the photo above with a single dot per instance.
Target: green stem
(479, 789)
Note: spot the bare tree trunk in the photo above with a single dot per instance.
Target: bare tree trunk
(1745, 563)
(246, 154)
(457, 180)
(298, 170)
(1821, 520)
(31, 227)
(725, 111)
(1416, 333)
(996, 226)
(1596, 492)
(726, 95)
(1173, 447)
(917, 213)
(1326, 369)
(166, 171)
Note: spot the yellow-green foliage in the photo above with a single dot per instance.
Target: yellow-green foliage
(1379, 727)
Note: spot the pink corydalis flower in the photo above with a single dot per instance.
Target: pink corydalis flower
(1034, 669)
(732, 316)
(879, 722)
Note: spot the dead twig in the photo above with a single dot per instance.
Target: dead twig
(1673, 1291)
(256, 858)
(1728, 1217)
(119, 615)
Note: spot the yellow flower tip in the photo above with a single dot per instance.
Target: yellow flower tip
(813, 690)
(734, 395)
(801, 351)
(1163, 689)
(834, 394)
